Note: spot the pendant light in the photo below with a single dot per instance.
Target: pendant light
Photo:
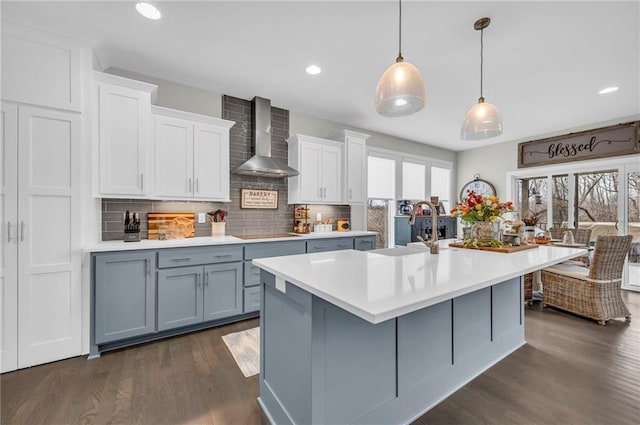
(483, 120)
(400, 91)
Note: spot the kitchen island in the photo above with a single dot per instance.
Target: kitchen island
(380, 337)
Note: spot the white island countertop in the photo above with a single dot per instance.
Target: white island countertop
(384, 284)
(108, 246)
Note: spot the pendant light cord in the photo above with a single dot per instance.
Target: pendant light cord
(400, 58)
(481, 60)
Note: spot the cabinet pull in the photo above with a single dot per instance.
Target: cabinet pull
(148, 266)
(200, 277)
(319, 247)
(181, 259)
(22, 231)
(222, 256)
(350, 196)
(197, 185)
(324, 192)
(189, 184)
(319, 192)
(9, 237)
(206, 279)
(141, 181)
(343, 245)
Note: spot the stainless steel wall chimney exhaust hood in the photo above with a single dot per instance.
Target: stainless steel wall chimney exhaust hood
(262, 164)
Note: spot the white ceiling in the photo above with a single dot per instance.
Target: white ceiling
(544, 61)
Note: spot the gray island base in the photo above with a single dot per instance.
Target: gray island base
(323, 365)
(380, 337)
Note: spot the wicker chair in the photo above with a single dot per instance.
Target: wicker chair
(557, 232)
(594, 292)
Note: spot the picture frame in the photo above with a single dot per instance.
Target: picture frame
(262, 199)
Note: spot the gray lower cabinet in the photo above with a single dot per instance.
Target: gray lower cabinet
(364, 243)
(125, 294)
(335, 244)
(180, 297)
(191, 295)
(222, 290)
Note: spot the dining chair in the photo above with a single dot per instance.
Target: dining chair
(590, 292)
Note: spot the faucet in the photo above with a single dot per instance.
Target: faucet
(433, 242)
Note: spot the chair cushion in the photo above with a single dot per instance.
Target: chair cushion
(571, 270)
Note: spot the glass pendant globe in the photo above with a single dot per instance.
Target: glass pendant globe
(400, 91)
(482, 121)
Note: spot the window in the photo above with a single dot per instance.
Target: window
(413, 181)
(441, 185)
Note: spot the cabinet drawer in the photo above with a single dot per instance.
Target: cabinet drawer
(330, 245)
(198, 255)
(273, 249)
(251, 299)
(364, 243)
(251, 274)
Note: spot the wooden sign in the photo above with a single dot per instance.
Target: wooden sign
(259, 199)
(621, 139)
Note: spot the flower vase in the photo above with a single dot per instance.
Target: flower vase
(483, 231)
(218, 228)
(530, 233)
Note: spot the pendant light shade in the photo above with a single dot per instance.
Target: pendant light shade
(483, 120)
(400, 91)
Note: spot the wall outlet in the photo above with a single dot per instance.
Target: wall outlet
(201, 218)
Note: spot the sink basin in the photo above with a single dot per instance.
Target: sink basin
(398, 252)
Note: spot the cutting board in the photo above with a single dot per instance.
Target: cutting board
(178, 225)
(504, 249)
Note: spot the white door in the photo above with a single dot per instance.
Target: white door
(355, 170)
(332, 174)
(631, 226)
(123, 133)
(211, 162)
(49, 291)
(173, 170)
(310, 175)
(9, 245)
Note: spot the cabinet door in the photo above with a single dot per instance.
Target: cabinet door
(179, 297)
(9, 242)
(173, 165)
(356, 171)
(211, 162)
(123, 119)
(364, 243)
(331, 174)
(49, 244)
(125, 293)
(310, 177)
(222, 290)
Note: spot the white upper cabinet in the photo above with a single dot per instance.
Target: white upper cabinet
(355, 188)
(40, 69)
(191, 156)
(319, 162)
(122, 121)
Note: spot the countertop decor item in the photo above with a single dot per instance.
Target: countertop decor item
(400, 91)
(483, 120)
(217, 218)
(131, 227)
(479, 186)
(483, 212)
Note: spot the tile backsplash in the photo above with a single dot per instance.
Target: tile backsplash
(239, 221)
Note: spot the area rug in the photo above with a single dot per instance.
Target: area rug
(245, 349)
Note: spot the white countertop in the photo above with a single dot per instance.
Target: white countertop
(378, 287)
(107, 246)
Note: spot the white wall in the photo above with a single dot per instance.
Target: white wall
(492, 164)
(178, 96)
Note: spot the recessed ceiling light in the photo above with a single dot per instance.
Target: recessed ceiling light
(608, 90)
(149, 11)
(313, 70)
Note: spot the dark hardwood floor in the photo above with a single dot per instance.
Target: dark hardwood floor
(572, 371)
